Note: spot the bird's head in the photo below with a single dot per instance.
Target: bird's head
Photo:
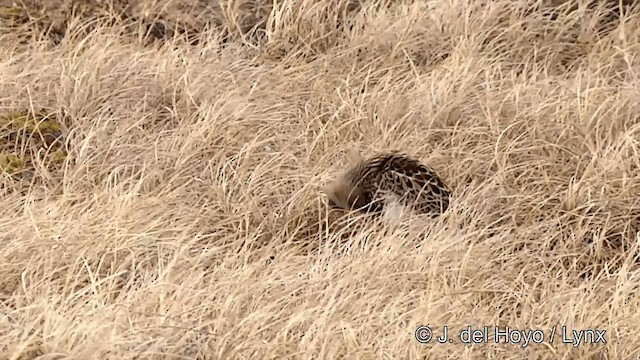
(344, 195)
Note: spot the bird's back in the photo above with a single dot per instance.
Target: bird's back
(404, 178)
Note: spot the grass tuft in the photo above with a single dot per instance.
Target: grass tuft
(162, 166)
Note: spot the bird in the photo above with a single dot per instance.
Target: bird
(373, 184)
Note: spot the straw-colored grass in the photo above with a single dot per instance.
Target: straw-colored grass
(186, 219)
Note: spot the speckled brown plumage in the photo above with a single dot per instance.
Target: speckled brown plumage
(371, 183)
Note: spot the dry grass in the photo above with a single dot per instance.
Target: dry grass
(187, 220)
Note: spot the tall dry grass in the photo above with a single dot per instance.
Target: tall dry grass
(187, 220)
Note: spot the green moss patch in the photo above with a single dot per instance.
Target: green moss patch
(23, 137)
